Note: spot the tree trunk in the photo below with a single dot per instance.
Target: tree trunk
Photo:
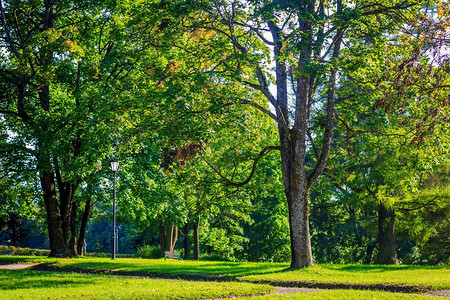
(297, 198)
(58, 246)
(387, 247)
(171, 237)
(195, 227)
(83, 227)
(162, 239)
(369, 251)
(167, 238)
(187, 241)
(73, 230)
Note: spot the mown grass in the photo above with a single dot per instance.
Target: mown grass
(38, 285)
(345, 294)
(436, 277)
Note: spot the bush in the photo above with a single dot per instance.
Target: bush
(11, 250)
(148, 251)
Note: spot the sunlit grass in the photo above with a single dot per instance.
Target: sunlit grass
(436, 277)
(38, 285)
(345, 294)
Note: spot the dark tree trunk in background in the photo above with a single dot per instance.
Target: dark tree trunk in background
(369, 252)
(187, 241)
(195, 227)
(162, 239)
(73, 230)
(387, 247)
(83, 227)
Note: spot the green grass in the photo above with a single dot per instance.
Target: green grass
(436, 277)
(345, 294)
(38, 285)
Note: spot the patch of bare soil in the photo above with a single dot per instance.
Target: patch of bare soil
(397, 288)
(285, 291)
(18, 266)
(444, 293)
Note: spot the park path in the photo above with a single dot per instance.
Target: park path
(278, 290)
(15, 266)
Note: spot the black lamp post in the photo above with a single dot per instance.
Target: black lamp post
(114, 168)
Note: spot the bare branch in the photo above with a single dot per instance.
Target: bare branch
(8, 34)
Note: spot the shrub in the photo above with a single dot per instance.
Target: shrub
(148, 251)
(11, 250)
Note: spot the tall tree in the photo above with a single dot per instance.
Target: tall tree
(303, 39)
(59, 60)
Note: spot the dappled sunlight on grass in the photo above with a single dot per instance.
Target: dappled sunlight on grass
(42, 285)
(345, 294)
(437, 277)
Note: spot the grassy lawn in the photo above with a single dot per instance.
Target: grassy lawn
(436, 277)
(345, 294)
(38, 285)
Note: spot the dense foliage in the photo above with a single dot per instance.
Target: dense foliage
(245, 130)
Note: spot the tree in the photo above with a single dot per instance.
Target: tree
(59, 61)
(304, 39)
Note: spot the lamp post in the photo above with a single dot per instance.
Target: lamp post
(114, 168)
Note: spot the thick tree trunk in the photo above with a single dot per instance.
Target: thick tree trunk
(195, 227)
(58, 246)
(187, 241)
(83, 227)
(387, 247)
(299, 230)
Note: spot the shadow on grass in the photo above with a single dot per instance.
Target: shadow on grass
(218, 269)
(378, 268)
(16, 280)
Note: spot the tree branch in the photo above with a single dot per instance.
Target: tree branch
(263, 152)
(267, 112)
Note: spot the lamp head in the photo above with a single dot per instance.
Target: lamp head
(114, 165)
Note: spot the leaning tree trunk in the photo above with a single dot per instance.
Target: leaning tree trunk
(83, 227)
(387, 247)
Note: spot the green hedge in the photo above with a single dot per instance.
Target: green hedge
(11, 250)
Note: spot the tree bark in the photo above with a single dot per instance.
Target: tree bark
(195, 227)
(387, 247)
(187, 241)
(58, 246)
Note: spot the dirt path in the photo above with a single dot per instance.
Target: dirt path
(15, 266)
(444, 293)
